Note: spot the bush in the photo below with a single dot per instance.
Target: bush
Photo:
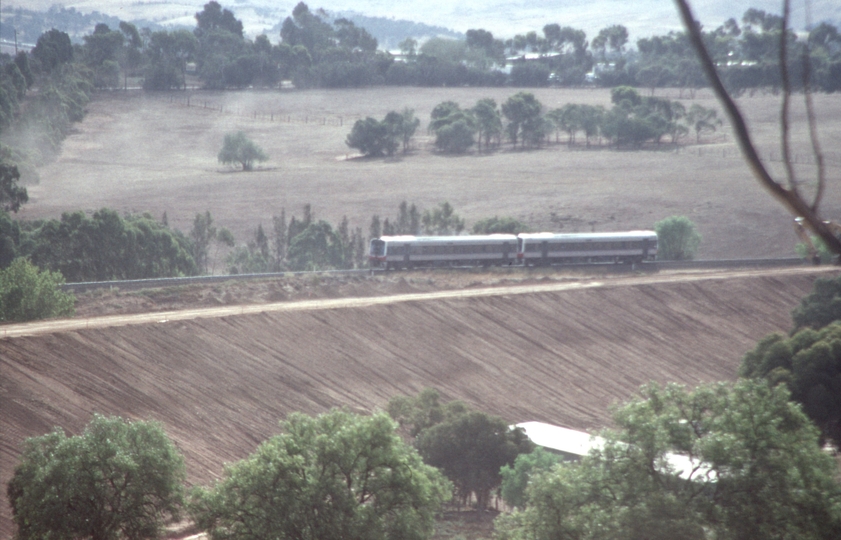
(27, 293)
(116, 480)
(821, 307)
(499, 225)
(335, 476)
(238, 148)
(677, 239)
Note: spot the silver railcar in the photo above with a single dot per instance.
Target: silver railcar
(418, 251)
(616, 247)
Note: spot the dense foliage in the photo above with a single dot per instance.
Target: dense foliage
(334, 476)
(27, 293)
(677, 239)
(820, 307)
(239, 149)
(117, 480)
(738, 462)
(104, 246)
(468, 446)
(809, 365)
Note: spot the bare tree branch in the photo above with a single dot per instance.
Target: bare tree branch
(810, 116)
(784, 114)
(787, 197)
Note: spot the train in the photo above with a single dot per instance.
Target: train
(525, 249)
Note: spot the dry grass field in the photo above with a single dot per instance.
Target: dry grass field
(151, 152)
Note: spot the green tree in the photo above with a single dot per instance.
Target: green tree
(52, 50)
(677, 239)
(12, 196)
(470, 449)
(524, 121)
(701, 119)
(213, 17)
(202, 234)
(453, 127)
(335, 476)
(27, 293)
(317, 247)
(106, 246)
(423, 411)
(370, 136)
(499, 225)
(116, 480)
(238, 148)
(738, 462)
(488, 122)
(820, 307)
(442, 221)
(455, 137)
(408, 126)
(516, 478)
(809, 364)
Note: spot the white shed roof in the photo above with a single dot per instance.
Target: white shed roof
(579, 443)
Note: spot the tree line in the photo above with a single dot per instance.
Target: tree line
(633, 120)
(315, 51)
(737, 460)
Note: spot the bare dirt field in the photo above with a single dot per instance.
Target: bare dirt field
(151, 152)
(554, 350)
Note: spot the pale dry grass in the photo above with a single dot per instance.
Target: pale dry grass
(150, 152)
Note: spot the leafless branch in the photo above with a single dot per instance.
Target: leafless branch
(784, 109)
(810, 116)
(787, 197)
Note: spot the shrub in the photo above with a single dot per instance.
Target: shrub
(677, 239)
(27, 293)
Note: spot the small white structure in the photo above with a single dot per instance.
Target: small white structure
(572, 445)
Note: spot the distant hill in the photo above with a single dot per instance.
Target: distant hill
(391, 21)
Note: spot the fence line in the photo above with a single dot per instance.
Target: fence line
(830, 159)
(283, 117)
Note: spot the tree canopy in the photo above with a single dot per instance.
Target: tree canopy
(116, 480)
(820, 307)
(468, 446)
(238, 148)
(677, 239)
(12, 196)
(735, 462)
(809, 365)
(331, 477)
(27, 293)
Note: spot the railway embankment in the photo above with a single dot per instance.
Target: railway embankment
(554, 352)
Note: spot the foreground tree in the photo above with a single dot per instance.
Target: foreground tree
(335, 476)
(238, 148)
(677, 239)
(116, 480)
(27, 293)
(809, 365)
(738, 462)
(470, 448)
(820, 307)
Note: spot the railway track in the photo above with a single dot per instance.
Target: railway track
(138, 284)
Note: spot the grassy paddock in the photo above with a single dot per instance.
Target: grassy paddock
(140, 152)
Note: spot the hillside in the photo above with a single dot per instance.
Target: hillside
(502, 17)
(559, 353)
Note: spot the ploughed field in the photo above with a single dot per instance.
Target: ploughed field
(142, 152)
(559, 351)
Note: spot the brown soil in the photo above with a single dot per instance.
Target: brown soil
(554, 350)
